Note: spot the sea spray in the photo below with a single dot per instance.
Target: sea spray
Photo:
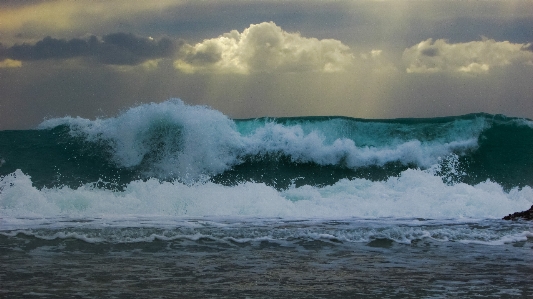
(176, 140)
(175, 159)
(415, 193)
(170, 198)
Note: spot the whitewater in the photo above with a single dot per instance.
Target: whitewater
(185, 199)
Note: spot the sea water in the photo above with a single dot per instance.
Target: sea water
(170, 200)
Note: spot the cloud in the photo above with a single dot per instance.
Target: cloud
(375, 62)
(37, 18)
(122, 48)
(475, 57)
(115, 49)
(264, 47)
(9, 63)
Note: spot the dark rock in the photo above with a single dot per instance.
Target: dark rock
(526, 215)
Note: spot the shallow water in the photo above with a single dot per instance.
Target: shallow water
(273, 258)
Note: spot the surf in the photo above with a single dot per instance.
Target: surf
(175, 141)
(174, 159)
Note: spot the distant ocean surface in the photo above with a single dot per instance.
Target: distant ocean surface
(169, 200)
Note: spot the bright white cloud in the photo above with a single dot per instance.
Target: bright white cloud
(476, 57)
(264, 47)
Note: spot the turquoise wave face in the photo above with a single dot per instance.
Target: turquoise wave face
(173, 141)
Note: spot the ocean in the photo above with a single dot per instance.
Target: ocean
(169, 200)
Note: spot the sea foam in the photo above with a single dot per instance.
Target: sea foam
(415, 193)
(192, 143)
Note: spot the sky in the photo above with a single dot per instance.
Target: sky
(363, 59)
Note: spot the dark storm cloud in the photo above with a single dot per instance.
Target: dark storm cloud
(3, 52)
(49, 48)
(115, 48)
(122, 48)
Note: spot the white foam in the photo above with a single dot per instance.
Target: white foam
(194, 142)
(415, 193)
(289, 232)
(312, 147)
(185, 141)
(524, 122)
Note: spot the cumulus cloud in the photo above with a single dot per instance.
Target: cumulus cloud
(115, 49)
(474, 57)
(264, 47)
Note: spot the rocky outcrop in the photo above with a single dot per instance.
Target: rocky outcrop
(527, 215)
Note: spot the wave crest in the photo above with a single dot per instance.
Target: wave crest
(192, 143)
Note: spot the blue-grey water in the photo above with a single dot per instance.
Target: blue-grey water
(268, 258)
